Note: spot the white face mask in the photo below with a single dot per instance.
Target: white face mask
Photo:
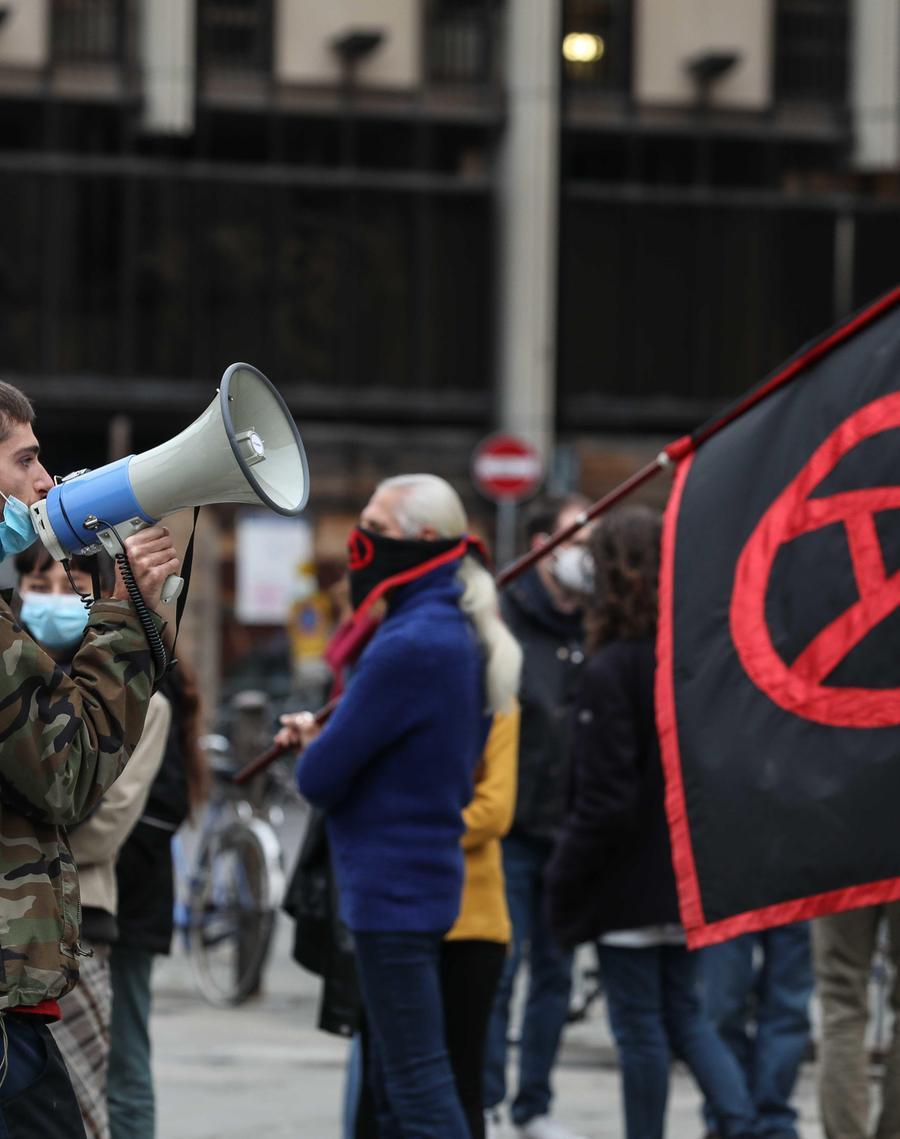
(573, 569)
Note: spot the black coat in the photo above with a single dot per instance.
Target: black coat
(322, 943)
(144, 869)
(553, 655)
(612, 867)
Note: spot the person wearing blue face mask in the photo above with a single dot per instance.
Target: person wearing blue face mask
(56, 618)
(49, 608)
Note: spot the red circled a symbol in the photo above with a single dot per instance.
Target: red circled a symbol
(799, 687)
(360, 549)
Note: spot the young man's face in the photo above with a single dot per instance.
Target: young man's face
(21, 474)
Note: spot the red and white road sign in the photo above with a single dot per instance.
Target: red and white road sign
(506, 468)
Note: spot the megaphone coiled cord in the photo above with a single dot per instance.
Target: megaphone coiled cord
(150, 630)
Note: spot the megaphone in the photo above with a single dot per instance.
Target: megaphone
(244, 448)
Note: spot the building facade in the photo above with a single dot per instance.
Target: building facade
(379, 202)
(590, 221)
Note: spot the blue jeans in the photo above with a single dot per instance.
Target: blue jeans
(549, 984)
(129, 1084)
(656, 1010)
(763, 979)
(414, 1088)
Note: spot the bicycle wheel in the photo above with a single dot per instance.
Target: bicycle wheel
(231, 914)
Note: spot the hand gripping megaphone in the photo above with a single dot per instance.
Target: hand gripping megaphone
(244, 448)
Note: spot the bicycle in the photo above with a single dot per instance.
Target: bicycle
(231, 895)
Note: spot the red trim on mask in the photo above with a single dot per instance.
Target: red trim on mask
(453, 554)
(361, 550)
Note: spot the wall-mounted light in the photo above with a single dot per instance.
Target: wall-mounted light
(709, 66)
(583, 47)
(355, 44)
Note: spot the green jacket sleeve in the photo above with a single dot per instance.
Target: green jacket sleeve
(64, 739)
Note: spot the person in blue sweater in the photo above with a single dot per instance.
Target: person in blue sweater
(393, 769)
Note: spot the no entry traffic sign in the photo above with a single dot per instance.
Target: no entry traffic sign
(506, 468)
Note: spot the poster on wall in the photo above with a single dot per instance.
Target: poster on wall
(273, 566)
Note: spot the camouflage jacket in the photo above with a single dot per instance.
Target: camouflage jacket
(63, 741)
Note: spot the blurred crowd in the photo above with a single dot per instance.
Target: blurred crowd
(488, 795)
(444, 890)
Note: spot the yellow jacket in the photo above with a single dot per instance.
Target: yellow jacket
(483, 915)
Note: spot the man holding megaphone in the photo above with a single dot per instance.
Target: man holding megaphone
(63, 741)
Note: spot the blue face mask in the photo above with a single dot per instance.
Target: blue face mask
(55, 622)
(17, 530)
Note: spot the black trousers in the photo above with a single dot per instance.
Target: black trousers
(470, 973)
(36, 1098)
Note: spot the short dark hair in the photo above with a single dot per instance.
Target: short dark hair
(15, 407)
(38, 558)
(543, 514)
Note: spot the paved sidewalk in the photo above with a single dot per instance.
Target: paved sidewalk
(263, 1070)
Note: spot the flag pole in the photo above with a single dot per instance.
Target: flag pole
(516, 569)
(670, 455)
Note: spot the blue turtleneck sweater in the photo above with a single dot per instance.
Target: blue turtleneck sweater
(394, 766)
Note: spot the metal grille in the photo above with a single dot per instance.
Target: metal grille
(236, 35)
(812, 47)
(88, 31)
(459, 41)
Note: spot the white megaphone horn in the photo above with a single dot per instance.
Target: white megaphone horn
(244, 448)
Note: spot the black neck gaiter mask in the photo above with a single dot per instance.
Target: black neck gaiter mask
(377, 564)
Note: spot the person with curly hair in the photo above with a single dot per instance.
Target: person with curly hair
(610, 877)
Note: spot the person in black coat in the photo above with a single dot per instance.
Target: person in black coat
(610, 876)
(543, 611)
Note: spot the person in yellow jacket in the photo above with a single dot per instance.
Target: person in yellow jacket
(475, 949)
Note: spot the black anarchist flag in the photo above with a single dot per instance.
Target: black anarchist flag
(778, 686)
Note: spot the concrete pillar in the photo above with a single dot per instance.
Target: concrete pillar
(528, 207)
(168, 55)
(875, 84)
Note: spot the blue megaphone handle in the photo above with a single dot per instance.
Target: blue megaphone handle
(105, 494)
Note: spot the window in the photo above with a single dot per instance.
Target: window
(236, 35)
(661, 303)
(596, 44)
(460, 41)
(812, 42)
(88, 31)
(22, 234)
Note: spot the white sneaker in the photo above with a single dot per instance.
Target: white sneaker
(492, 1123)
(543, 1127)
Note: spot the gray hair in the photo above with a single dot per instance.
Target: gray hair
(427, 500)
